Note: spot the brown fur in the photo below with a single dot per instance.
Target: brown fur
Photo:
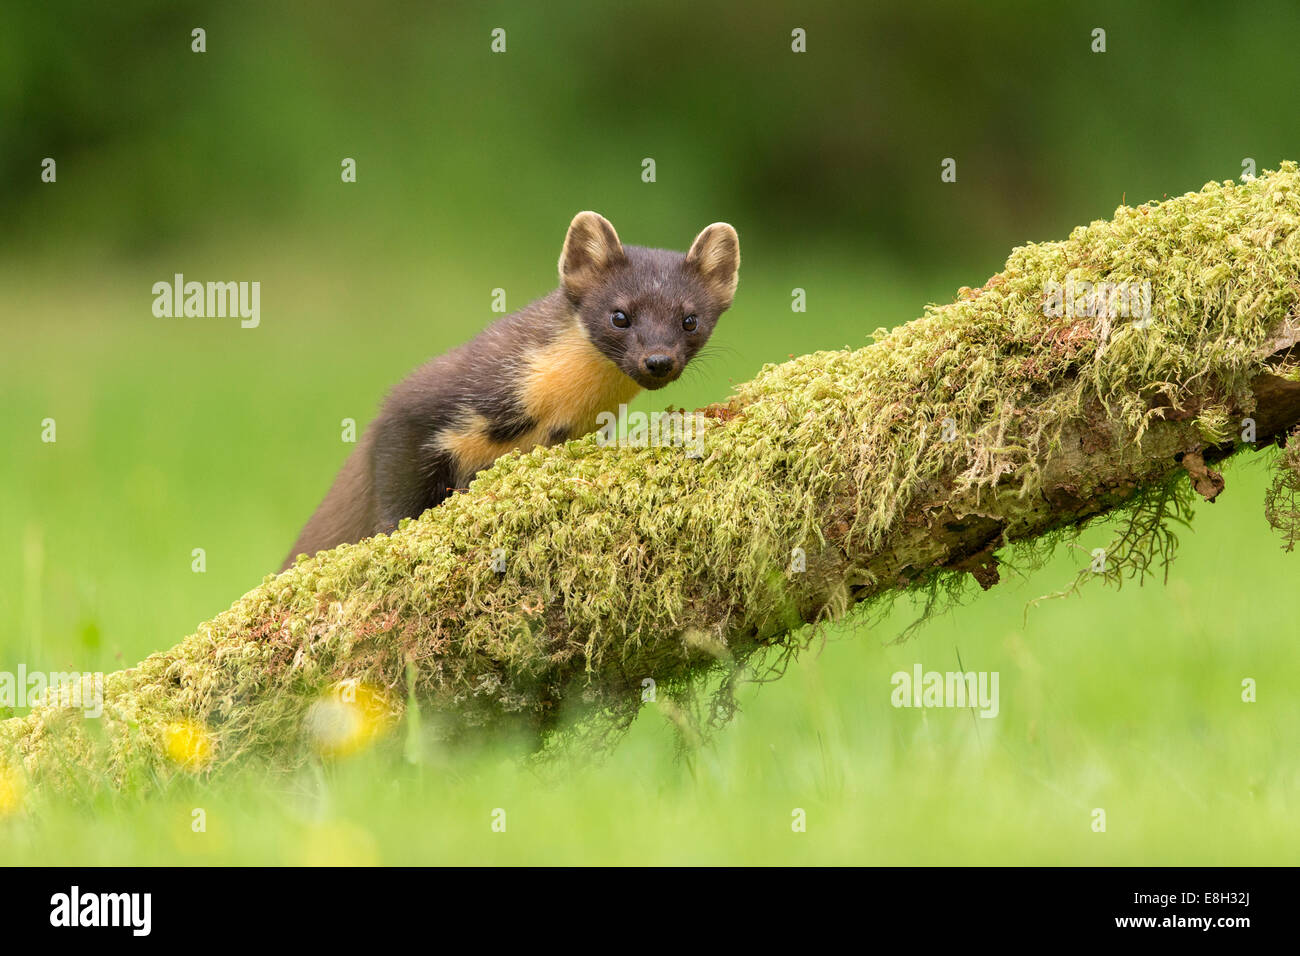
(536, 377)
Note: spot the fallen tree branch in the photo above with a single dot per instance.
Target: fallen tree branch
(567, 578)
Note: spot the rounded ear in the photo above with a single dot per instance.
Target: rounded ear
(591, 248)
(715, 255)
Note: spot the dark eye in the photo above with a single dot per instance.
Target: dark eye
(690, 323)
(618, 318)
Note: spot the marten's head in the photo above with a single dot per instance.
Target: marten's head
(648, 310)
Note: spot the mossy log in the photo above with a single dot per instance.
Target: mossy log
(1001, 420)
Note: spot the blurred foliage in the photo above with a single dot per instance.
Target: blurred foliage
(177, 434)
(157, 145)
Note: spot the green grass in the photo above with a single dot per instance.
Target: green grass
(177, 434)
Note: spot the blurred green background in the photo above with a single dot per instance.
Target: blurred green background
(176, 434)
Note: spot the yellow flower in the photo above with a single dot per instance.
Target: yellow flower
(346, 719)
(11, 792)
(337, 843)
(188, 744)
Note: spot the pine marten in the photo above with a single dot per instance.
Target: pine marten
(624, 318)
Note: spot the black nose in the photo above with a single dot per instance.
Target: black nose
(659, 365)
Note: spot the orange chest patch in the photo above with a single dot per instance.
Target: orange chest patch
(569, 382)
(563, 387)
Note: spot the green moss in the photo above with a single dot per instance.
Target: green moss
(623, 564)
(1282, 502)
